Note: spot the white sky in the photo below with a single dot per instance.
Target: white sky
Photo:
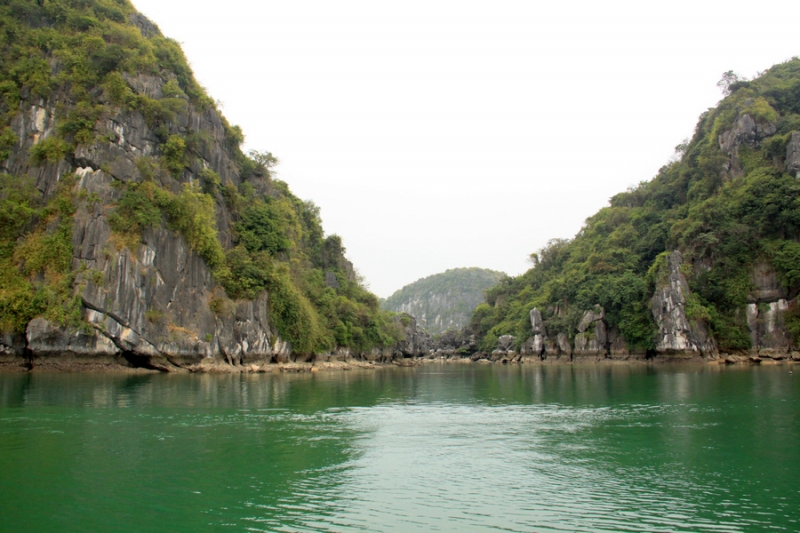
(438, 134)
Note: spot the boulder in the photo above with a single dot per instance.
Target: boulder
(506, 343)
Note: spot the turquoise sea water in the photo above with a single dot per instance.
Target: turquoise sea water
(443, 447)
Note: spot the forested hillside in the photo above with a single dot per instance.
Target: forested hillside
(443, 301)
(131, 222)
(729, 205)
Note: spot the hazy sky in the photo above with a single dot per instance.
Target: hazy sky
(452, 133)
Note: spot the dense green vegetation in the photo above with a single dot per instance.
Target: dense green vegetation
(443, 301)
(725, 216)
(36, 277)
(81, 55)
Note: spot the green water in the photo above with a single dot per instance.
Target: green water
(434, 448)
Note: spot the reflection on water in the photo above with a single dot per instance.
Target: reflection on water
(436, 448)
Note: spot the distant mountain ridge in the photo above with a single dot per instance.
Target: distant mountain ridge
(444, 301)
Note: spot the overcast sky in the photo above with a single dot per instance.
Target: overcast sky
(453, 133)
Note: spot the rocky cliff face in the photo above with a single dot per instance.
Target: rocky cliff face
(699, 261)
(416, 341)
(445, 301)
(173, 239)
(768, 303)
(594, 340)
(150, 305)
(678, 333)
(436, 313)
(793, 155)
(746, 131)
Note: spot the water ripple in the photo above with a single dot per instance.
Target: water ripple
(455, 449)
(511, 468)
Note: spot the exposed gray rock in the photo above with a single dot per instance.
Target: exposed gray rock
(592, 339)
(536, 345)
(243, 332)
(147, 28)
(793, 155)
(677, 334)
(12, 345)
(379, 355)
(146, 84)
(340, 354)
(45, 339)
(551, 348)
(619, 350)
(506, 343)
(153, 301)
(118, 157)
(537, 324)
(456, 343)
(590, 317)
(416, 341)
(751, 312)
(533, 346)
(331, 281)
(564, 347)
(767, 330)
(773, 339)
(745, 130)
(591, 342)
(766, 287)
(161, 294)
(618, 347)
(445, 301)
(768, 302)
(36, 122)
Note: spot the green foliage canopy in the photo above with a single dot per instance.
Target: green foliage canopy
(724, 223)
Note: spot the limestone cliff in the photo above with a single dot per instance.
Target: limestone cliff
(678, 332)
(133, 229)
(697, 262)
(444, 301)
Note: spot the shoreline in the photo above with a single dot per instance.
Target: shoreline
(69, 365)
